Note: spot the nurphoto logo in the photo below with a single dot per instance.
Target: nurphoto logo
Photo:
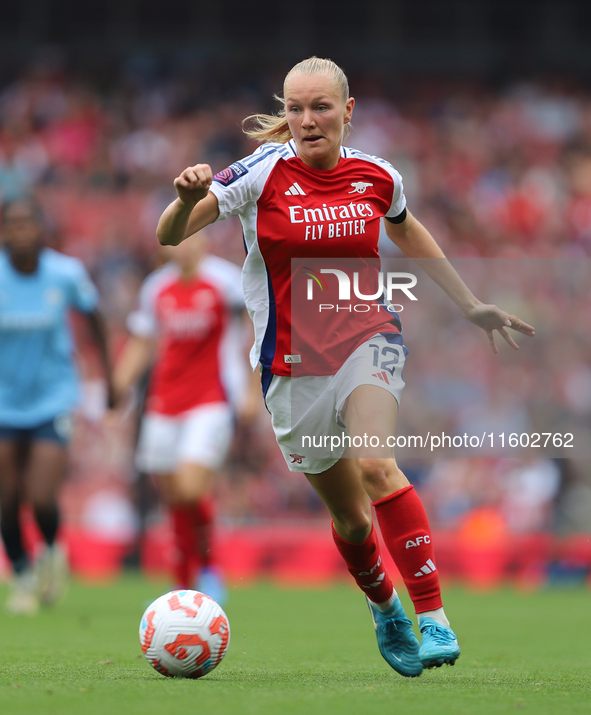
(394, 281)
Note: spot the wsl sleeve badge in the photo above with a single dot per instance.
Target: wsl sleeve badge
(184, 634)
(231, 174)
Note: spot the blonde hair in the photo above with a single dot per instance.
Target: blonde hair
(274, 127)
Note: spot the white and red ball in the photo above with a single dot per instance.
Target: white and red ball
(184, 634)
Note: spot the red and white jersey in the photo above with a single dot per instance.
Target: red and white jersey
(199, 358)
(292, 214)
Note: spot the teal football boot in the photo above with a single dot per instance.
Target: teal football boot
(439, 644)
(396, 639)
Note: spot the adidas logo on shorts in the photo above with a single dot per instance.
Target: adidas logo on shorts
(383, 376)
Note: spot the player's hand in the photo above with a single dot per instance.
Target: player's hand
(491, 318)
(193, 183)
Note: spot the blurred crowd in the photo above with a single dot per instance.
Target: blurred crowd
(500, 175)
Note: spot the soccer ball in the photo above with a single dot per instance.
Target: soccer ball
(184, 634)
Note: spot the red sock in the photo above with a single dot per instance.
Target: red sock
(407, 535)
(187, 557)
(193, 536)
(204, 518)
(366, 565)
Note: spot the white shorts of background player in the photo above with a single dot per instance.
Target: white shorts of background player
(199, 436)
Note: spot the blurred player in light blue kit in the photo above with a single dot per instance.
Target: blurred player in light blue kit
(38, 392)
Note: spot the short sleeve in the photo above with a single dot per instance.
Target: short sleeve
(240, 184)
(398, 198)
(84, 295)
(232, 188)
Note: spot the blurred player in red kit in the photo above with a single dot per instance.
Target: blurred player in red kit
(187, 326)
(303, 195)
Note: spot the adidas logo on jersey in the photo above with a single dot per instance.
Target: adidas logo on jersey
(383, 376)
(428, 568)
(294, 190)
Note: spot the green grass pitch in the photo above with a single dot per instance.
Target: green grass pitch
(298, 651)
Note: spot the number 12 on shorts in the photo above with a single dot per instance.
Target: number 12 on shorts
(387, 350)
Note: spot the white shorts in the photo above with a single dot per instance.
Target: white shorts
(304, 409)
(199, 436)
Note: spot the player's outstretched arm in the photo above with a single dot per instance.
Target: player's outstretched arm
(135, 359)
(416, 242)
(194, 208)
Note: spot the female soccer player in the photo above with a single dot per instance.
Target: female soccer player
(38, 392)
(303, 195)
(188, 325)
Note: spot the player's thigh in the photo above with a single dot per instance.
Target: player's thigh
(369, 387)
(340, 488)
(190, 481)
(9, 470)
(204, 439)
(370, 416)
(45, 471)
(371, 412)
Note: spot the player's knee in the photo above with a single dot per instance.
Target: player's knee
(184, 496)
(189, 483)
(381, 476)
(374, 470)
(42, 503)
(186, 493)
